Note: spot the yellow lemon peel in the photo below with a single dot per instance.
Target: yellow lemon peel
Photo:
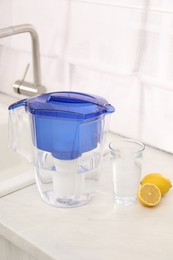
(160, 180)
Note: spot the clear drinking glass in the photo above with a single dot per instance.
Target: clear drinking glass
(126, 158)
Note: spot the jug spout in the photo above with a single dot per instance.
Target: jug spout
(19, 130)
(109, 108)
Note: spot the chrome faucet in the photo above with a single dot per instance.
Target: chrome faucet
(21, 86)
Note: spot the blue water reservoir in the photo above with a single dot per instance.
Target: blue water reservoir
(66, 124)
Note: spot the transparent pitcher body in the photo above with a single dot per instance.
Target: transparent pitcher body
(70, 182)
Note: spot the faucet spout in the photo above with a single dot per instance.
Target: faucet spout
(20, 86)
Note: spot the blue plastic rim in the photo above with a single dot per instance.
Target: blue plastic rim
(66, 124)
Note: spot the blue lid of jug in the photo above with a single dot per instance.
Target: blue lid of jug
(69, 105)
(66, 124)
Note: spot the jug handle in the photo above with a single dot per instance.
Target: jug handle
(19, 136)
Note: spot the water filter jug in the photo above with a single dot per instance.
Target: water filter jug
(68, 131)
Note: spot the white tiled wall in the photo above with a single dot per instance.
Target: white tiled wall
(121, 50)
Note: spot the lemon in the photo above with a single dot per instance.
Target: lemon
(149, 195)
(161, 181)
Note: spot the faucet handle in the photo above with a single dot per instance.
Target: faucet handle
(25, 72)
(27, 88)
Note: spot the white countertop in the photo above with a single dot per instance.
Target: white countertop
(99, 230)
